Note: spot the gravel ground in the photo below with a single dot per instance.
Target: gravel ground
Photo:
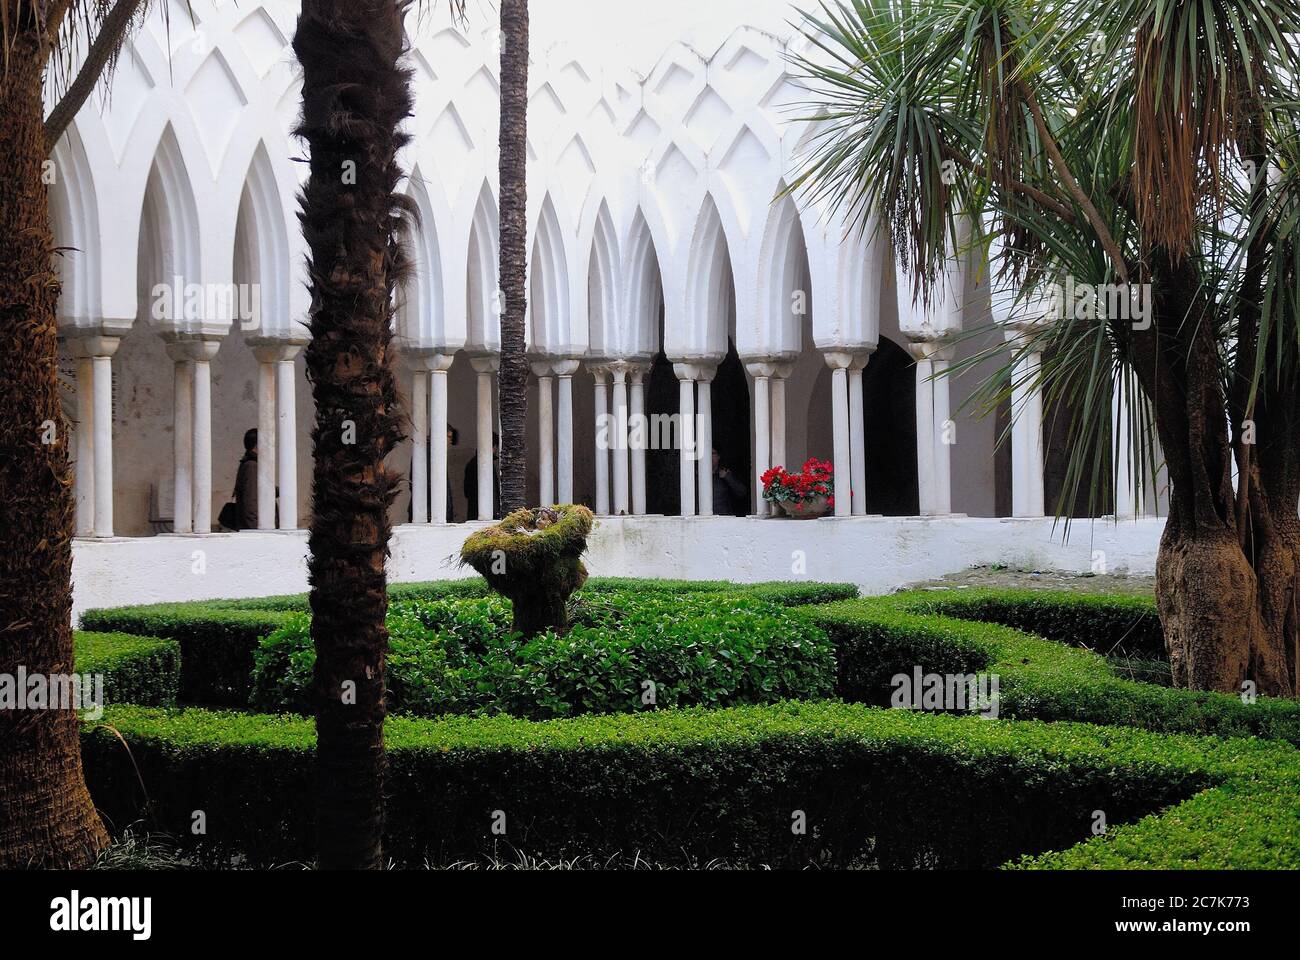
(996, 576)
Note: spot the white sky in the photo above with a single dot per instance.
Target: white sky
(641, 29)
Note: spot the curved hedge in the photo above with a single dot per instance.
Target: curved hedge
(876, 787)
(625, 652)
(889, 788)
(140, 670)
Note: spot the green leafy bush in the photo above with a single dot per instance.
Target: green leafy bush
(889, 788)
(140, 670)
(623, 653)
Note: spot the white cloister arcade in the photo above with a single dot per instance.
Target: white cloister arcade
(663, 247)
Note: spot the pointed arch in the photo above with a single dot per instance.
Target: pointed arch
(603, 313)
(74, 218)
(644, 294)
(548, 281)
(784, 279)
(422, 302)
(169, 230)
(262, 245)
(481, 283)
(710, 288)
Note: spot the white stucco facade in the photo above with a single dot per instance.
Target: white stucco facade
(668, 274)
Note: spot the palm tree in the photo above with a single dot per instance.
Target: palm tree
(513, 376)
(356, 95)
(1141, 147)
(46, 815)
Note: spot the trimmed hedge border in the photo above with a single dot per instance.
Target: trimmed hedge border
(218, 637)
(890, 788)
(882, 787)
(137, 670)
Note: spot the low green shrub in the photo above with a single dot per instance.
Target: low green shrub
(139, 670)
(1109, 624)
(1039, 679)
(889, 788)
(624, 653)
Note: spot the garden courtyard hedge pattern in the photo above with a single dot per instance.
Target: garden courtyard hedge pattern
(1183, 779)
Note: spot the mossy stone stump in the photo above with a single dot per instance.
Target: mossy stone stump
(534, 558)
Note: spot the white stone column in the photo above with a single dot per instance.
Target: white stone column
(686, 432)
(203, 436)
(839, 362)
(777, 385)
(286, 436)
(945, 433)
(1127, 499)
(639, 428)
(1027, 498)
(485, 367)
(704, 436)
(182, 438)
(545, 433)
(857, 438)
(762, 374)
(622, 460)
(83, 476)
(419, 443)
(604, 437)
(564, 371)
(438, 367)
(266, 441)
(103, 417)
(925, 433)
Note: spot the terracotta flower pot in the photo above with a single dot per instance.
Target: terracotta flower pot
(806, 509)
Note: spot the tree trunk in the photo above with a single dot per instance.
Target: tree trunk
(513, 376)
(46, 815)
(355, 96)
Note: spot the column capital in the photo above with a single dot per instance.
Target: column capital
(427, 359)
(485, 362)
(186, 348)
(930, 350)
(93, 345)
(542, 368)
(699, 369)
(760, 369)
(565, 368)
(637, 371)
(598, 369)
(844, 358)
(271, 350)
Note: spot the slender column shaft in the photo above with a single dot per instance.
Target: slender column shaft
(438, 439)
(565, 424)
(183, 446)
(420, 446)
(638, 451)
(925, 438)
(943, 434)
(286, 444)
(202, 446)
(604, 439)
(1026, 439)
(778, 422)
(84, 471)
(762, 440)
(266, 445)
(704, 444)
(103, 442)
(621, 459)
(840, 426)
(686, 427)
(1126, 499)
(484, 454)
(857, 444)
(546, 431)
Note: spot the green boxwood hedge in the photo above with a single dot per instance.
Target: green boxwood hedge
(889, 788)
(624, 652)
(139, 670)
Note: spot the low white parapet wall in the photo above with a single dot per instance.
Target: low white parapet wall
(879, 554)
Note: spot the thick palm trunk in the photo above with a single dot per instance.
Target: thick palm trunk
(1226, 573)
(513, 376)
(46, 815)
(355, 95)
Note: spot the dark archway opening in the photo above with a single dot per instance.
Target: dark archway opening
(889, 410)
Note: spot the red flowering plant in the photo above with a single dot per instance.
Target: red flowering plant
(816, 479)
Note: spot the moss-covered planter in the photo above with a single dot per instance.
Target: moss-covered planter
(534, 558)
